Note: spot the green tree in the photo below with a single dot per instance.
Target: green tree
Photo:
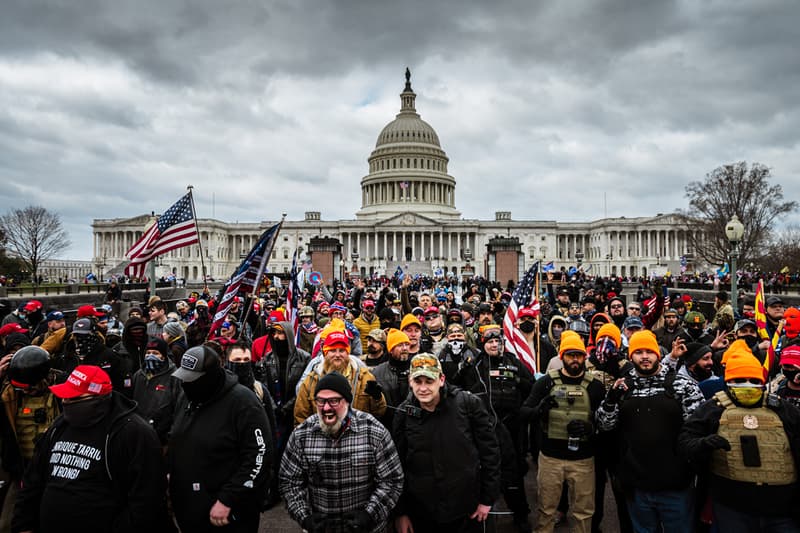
(733, 189)
(34, 235)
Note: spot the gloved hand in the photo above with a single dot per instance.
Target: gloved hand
(716, 442)
(615, 393)
(313, 524)
(361, 521)
(579, 428)
(470, 359)
(547, 403)
(374, 389)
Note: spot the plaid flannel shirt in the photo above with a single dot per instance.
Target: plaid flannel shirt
(358, 471)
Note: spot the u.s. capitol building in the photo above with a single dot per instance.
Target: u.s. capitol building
(408, 217)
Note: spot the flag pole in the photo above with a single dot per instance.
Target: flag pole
(538, 321)
(199, 238)
(257, 284)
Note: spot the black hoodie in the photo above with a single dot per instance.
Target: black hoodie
(219, 450)
(107, 477)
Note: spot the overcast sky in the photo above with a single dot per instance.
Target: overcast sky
(109, 109)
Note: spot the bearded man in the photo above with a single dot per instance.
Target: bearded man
(366, 393)
(322, 495)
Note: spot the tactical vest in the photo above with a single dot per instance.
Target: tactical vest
(34, 416)
(774, 453)
(573, 404)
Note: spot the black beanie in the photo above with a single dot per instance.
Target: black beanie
(694, 352)
(337, 383)
(157, 343)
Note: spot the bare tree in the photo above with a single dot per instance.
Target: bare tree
(729, 190)
(35, 235)
(783, 251)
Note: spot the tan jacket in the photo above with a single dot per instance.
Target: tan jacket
(358, 376)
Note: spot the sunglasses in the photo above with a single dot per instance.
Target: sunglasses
(634, 308)
(617, 306)
(431, 316)
(333, 402)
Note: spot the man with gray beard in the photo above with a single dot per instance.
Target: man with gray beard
(340, 471)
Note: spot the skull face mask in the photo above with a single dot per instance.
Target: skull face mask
(85, 344)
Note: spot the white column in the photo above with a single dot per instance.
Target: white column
(403, 251)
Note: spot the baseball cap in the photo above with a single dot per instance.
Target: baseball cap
(368, 304)
(432, 310)
(377, 334)
(744, 323)
(33, 305)
(54, 315)
(774, 300)
(633, 322)
(427, 365)
(670, 312)
(335, 338)
(85, 379)
(527, 312)
(12, 327)
(82, 327)
(88, 310)
(195, 362)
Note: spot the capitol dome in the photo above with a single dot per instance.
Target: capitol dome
(408, 168)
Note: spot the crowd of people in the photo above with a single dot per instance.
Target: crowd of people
(400, 405)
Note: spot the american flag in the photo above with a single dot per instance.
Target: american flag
(248, 276)
(523, 297)
(293, 293)
(174, 229)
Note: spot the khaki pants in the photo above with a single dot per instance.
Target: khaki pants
(579, 476)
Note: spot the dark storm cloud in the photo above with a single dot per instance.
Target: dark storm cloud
(110, 108)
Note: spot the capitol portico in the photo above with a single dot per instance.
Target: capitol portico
(408, 218)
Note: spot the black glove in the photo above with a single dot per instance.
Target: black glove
(362, 521)
(716, 442)
(373, 389)
(615, 394)
(313, 524)
(547, 403)
(579, 428)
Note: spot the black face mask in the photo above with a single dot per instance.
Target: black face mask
(750, 340)
(694, 333)
(527, 327)
(203, 388)
(790, 375)
(243, 371)
(88, 412)
(138, 336)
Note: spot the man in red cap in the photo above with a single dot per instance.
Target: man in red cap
(98, 467)
(367, 395)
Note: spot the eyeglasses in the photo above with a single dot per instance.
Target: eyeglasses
(431, 316)
(634, 308)
(333, 402)
(617, 306)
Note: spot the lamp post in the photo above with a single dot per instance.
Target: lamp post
(734, 230)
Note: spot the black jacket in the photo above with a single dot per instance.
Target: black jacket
(450, 456)
(776, 500)
(283, 382)
(133, 463)
(120, 373)
(157, 397)
(220, 450)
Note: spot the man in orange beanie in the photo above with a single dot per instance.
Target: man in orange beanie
(752, 446)
(647, 407)
(563, 402)
(392, 375)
